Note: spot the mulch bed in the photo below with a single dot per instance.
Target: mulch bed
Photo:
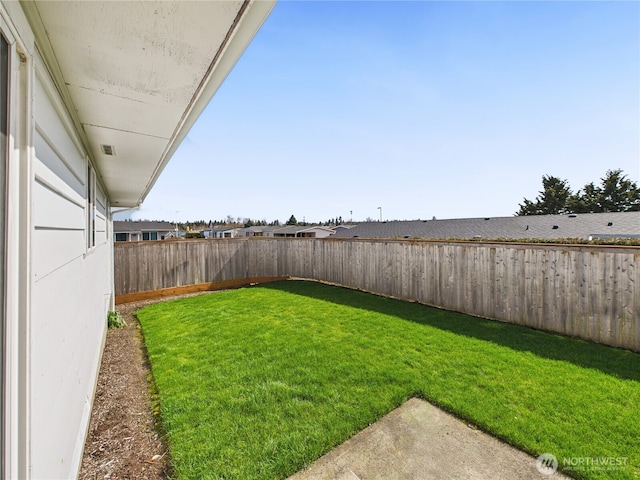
(124, 441)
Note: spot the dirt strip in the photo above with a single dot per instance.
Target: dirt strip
(123, 442)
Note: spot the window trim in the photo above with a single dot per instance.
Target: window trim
(17, 269)
(91, 207)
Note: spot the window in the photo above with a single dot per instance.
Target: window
(91, 207)
(121, 237)
(145, 235)
(154, 235)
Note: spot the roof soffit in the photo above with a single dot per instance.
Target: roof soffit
(132, 75)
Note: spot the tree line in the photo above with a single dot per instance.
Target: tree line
(614, 193)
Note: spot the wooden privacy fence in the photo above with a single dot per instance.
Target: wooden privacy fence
(583, 291)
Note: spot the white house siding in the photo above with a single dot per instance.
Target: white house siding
(59, 281)
(71, 290)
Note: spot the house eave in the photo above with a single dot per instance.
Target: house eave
(253, 15)
(148, 108)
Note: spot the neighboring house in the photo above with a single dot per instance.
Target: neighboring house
(314, 231)
(95, 98)
(300, 231)
(210, 233)
(342, 227)
(583, 226)
(136, 231)
(258, 231)
(222, 232)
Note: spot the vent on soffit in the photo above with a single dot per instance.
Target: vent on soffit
(108, 149)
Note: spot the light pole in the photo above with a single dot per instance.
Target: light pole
(380, 208)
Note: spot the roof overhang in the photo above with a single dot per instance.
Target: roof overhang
(135, 75)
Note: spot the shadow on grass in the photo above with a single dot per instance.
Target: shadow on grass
(613, 361)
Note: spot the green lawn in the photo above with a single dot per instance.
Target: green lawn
(261, 381)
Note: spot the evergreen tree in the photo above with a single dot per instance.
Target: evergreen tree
(585, 200)
(292, 220)
(616, 193)
(551, 200)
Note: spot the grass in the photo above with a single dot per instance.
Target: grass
(261, 381)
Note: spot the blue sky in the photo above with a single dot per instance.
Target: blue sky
(447, 109)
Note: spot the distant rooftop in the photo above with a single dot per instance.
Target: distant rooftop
(582, 226)
(142, 226)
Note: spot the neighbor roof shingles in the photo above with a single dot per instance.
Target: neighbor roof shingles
(618, 224)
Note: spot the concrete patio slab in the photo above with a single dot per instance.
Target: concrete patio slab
(418, 441)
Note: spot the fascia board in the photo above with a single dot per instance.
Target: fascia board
(254, 13)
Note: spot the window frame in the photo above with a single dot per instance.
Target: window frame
(91, 207)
